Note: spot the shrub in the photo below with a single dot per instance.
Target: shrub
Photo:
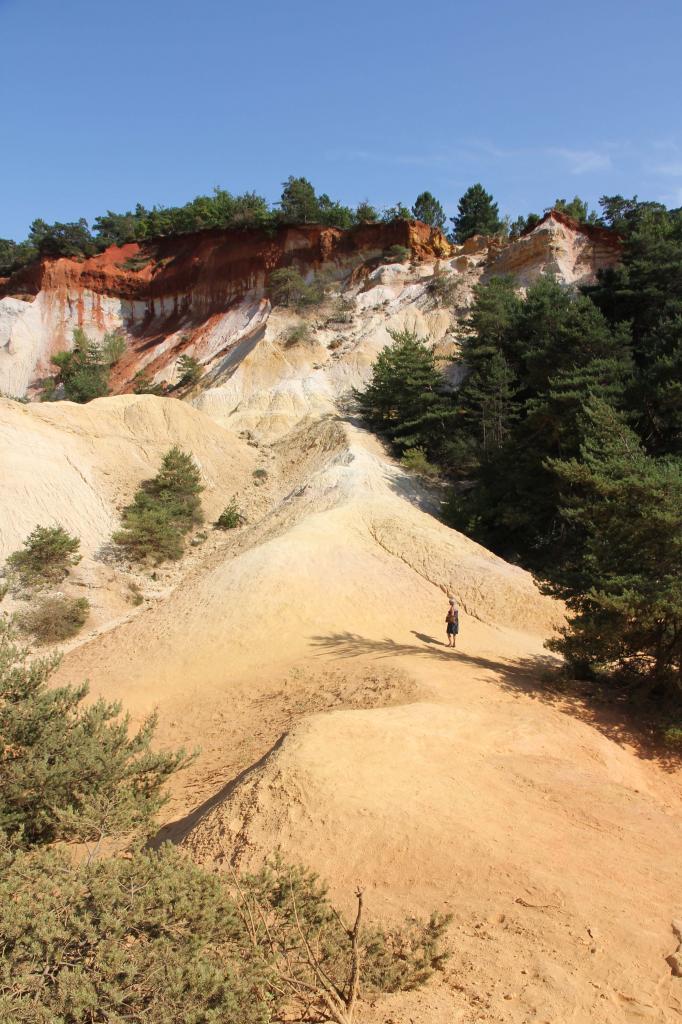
(143, 385)
(153, 937)
(288, 287)
(135, 263)
(396, 254)
(48, 554)
(67, 771)
(230, 517)
(21, 399)
(260, 476)
(189, 370)
(84, 372)
(135, 595)
(673, 737)
(163, 511)
(415, 460)
(54, 618)
(296, 335)
(112, 348)
(444, 288)
(343, 310)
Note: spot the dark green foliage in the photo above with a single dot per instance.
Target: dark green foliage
(61, 239)
(163, 511)
(532, 363)
(300, 205)
(48, 554)
(427, 209)
(54, 618)
(189, 371)
(397, 254)
(397, 212)
(14, 255)
(646, 290)
(68, 771)
(84, 371)
(576, 208)
(153, 938)
(288, 916)
(477, 214)
(298, 202)
(365, 213)
(522, 225)
(230, 518)
(136, 263)
(143, 385)
(406, 397)
(288, 287)
(621, 574)
(415, 461)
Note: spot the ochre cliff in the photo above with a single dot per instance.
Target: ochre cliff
(204, 293)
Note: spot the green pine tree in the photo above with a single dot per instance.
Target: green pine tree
(427, 209)
(406, 398)
(477, 214)
(69, 771)
(621, 574)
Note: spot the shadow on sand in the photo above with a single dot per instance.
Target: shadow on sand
(610, 711)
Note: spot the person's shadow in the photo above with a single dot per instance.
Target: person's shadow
(426, 639)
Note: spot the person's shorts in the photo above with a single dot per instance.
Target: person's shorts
(453, 629)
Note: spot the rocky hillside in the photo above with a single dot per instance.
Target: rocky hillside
(204, 294)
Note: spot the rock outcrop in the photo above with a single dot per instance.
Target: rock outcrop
(561, 246)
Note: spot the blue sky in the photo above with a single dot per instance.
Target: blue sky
(107, 104)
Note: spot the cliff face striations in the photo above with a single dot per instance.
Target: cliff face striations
(204, 293)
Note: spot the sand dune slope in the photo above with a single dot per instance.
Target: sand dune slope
(304, 654)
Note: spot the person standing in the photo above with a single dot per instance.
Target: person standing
(452, 622)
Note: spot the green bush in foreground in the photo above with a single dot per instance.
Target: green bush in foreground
(54, 618)
(163, 511)
(147, 936)
(68, 771)
(153, 938)
(49, 552)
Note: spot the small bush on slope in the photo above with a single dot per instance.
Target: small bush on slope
(189, 370)
(84, 372)
(48, 554)
(288, 287)
(163, 511)
(230, 517)
(68, 771)
(54, 618)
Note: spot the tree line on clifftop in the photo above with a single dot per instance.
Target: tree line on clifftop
(562, 445)
(299, 203)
